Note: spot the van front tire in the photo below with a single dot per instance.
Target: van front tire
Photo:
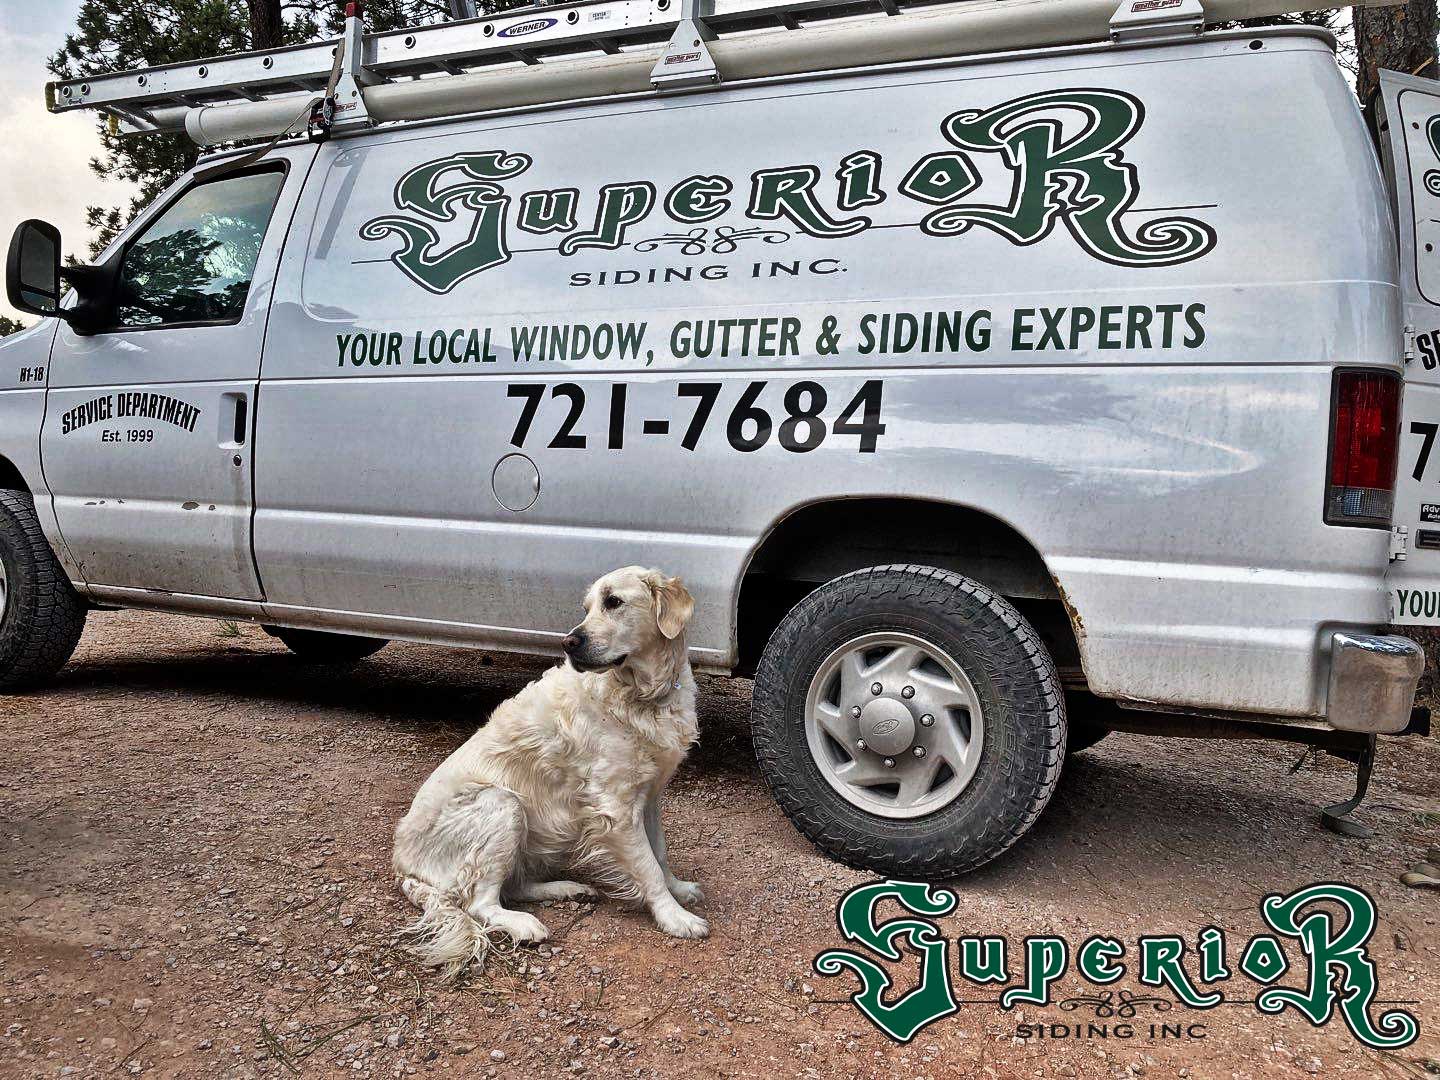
(324, 647)
(924, 676)
(42, 615)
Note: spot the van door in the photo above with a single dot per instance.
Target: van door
(146, 439)
(1411, 143)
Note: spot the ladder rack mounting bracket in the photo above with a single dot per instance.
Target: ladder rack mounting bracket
(686, 60)
(1157, 20)
(345, 106)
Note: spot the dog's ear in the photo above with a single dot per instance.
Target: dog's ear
(673, 604)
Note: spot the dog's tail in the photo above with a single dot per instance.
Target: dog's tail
(445, 936)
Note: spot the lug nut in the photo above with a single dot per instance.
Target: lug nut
(927, 720)
(889, 763)
(908, 692)
(856, 711)
(919, 751)
(876, 688)
(861, 744)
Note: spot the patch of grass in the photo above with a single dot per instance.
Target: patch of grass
(228, 630)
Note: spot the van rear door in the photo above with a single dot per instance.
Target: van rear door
(1410, 138)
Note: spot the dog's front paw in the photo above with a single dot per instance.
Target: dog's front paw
(521, 926)
(688, 893)
(677, 922)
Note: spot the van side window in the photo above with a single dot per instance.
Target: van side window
(193, 263)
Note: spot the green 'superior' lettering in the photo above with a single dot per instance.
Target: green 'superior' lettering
(422, 190)
(1065, 150)
(932, 999)
(1298, 915)
(1081, 177)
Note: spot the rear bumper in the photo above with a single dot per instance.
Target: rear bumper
(1372, 682)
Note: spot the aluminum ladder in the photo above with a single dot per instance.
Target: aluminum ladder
(676, 41)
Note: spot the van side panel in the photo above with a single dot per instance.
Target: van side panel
(1053, 289)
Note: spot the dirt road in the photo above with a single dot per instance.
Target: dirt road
(194, 882)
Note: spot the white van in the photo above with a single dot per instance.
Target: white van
(956, 388)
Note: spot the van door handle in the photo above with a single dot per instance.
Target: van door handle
(242, 416)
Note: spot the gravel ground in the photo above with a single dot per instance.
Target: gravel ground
(194, 882)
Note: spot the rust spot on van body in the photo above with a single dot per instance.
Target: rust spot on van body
(1075, 620)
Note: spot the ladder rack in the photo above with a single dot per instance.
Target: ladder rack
(530, 35)
(606, 46)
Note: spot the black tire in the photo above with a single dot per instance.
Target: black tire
(1015, 682)
(43, 615)
(1085, 713)
(324, 647)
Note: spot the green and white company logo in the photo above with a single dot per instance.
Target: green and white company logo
(1064, 151)
(1338, 976)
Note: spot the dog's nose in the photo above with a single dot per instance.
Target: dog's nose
(572, 642)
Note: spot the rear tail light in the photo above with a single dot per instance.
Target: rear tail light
(1364, 439)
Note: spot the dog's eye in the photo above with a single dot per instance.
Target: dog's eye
(612, 602)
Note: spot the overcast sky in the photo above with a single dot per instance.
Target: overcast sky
(44, 170)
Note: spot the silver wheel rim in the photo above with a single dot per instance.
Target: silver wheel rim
(4, 590)
(894, 725)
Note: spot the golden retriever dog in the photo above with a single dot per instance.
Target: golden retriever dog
(567, 774)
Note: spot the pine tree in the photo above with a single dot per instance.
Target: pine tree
(116, 35)
(267, 24)
(1398, 38)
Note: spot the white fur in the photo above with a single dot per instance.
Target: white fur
(568, 773)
